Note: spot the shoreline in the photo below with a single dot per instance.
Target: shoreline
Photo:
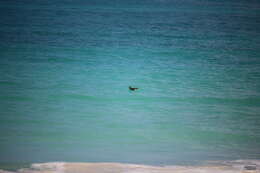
(236, 166)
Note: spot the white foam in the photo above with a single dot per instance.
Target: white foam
(237, 166)
(54, 167)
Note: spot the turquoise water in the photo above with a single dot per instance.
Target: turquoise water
(66, 66)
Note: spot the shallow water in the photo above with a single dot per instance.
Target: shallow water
(66, 66)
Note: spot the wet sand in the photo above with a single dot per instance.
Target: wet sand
(239, 166)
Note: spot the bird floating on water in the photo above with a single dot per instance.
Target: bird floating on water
(132, 89)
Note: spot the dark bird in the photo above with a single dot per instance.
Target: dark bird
(132, 89)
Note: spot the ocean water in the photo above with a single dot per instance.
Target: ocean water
(66, 66)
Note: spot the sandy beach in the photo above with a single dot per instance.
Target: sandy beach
(238, 166)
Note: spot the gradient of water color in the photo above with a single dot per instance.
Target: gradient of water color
(66, 66)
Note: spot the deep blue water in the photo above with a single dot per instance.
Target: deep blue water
(66, 66)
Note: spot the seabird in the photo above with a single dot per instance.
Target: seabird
(132, 89)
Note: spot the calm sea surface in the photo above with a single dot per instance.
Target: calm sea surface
(66, 66)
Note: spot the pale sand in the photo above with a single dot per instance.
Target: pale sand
(213, 167)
